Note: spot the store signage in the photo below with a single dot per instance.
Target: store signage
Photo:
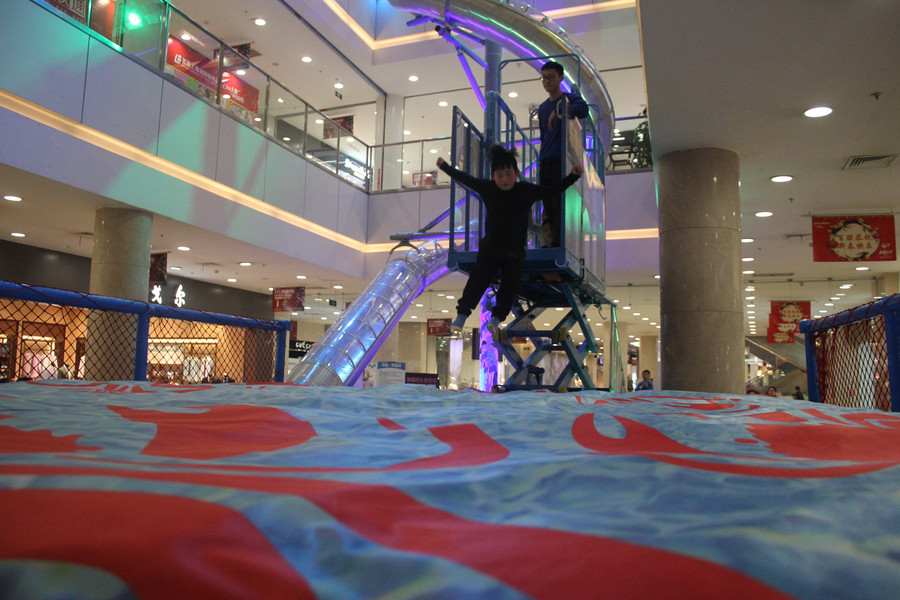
(784, 320)
(438, 327)
(299, 348)
(288, 299)
(179, 297)
(853, 238)
(77, 9)
(356, 169)
(423, 379)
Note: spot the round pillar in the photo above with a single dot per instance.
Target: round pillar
(700, 271)
(120, 264)
(120, 268)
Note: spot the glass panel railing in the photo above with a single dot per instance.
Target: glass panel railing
(192, 57)
(322, 135)
(287, 116)
(138, 28)
(244, 87)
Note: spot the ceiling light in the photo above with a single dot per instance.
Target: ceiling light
(186, 36)
(442, 103)
(17, 234)
(350, 139)
(319, 121)
(764, 213)
(829, 304)
(746, 240)
(781, 178)
(413, 77)
(414, 317)
(231, 280)
(748, 259)
(338, 85)
(12, 198)
(301, 276)
(286, 138)
(259, 21)
(184, 248)
(750, 298)
(406, 132)
(513, 94)
(862, 268)
(257, 119)
(245, 264)
(846, 286)
(338, 287)
(306, 59)
(749, 288)
(818, 111)
(748, 272)
(174, 268)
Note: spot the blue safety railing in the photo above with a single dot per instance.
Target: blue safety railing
(32, 314)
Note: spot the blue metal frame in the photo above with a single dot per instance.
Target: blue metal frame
(889, 308)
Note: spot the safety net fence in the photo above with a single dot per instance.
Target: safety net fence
(853, 356)
(48, 333)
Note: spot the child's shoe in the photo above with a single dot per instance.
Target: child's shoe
(458, 323)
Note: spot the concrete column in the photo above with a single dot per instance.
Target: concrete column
(120, 267)
(700, 271)
(120, 264)
(647, 359)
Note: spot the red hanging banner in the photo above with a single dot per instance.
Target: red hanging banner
(849, 238)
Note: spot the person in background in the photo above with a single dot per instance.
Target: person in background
(551, 153)
(797, 395)
(507, 202)
(645, 383)
(772, 391)
(63, 372)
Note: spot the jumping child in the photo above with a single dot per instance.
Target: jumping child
(507, 202)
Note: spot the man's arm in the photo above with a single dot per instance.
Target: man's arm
(577, 106)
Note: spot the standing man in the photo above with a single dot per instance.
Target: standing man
(551, 154)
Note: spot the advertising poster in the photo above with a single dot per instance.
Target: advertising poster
(288, 299)
(784, 320)
(199, 73)
(389, 373)
(839, 239)
(337, 126)
(159, 269)
(424, 178)
(438, 327)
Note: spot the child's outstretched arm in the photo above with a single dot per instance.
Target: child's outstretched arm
(460, 176)
(577, 169)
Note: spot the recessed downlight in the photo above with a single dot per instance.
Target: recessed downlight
(818, 111)
(259, 21)
(781, 178)
(12, 198)
(764, 213)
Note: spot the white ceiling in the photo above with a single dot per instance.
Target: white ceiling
(725, 74)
